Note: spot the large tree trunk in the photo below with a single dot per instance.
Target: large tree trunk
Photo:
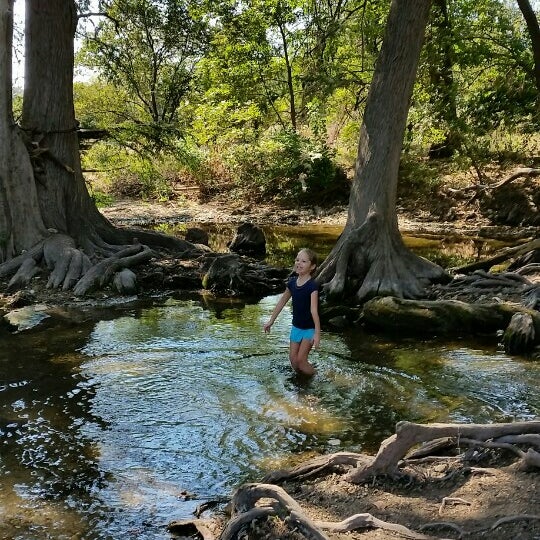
(534, 33)
(370, 258)
(47, 217)
(20, 223)
(5, 120)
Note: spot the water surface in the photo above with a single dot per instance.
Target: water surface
(113, 429)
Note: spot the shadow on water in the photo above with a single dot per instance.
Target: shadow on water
(114, 428)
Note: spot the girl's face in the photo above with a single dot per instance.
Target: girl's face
(303, 265)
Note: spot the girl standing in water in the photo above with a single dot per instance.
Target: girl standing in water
(306, 325)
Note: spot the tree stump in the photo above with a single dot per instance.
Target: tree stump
(249, 239)
(520, 335)
(230, 274)
(197, 236)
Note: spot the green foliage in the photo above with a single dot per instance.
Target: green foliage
(148, 50)
(265, 99)
(280, 166)
(418, 179)
(17, 106)
(124, 173)
(101, 199)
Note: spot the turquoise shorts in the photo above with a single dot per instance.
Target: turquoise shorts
(298, 334)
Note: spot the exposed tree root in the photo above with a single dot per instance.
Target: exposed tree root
(375, 262)
(520, 335)
(13, 266)
(71, 268)
(188, 528)
(259, 501)
(317, 466)
(230, 274)
(66, 262)
(407, 435)
(441, 316)
(450, 317)
(245, 510)
(452, 500)
(102, 272)
(503, 255)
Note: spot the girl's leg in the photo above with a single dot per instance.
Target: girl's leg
(298, 355)
(293, 353)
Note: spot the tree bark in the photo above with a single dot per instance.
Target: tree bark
(6, 17)
(370, 253)
(44, 202)
(407, 435)
(534, 33)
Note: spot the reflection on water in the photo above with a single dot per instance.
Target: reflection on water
(284, 241)
(192, 398)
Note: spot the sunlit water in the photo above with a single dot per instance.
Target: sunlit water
(111, 430)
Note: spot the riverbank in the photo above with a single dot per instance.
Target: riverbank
(489, 502)
(133, 213)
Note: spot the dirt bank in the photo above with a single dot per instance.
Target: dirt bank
(129, 212)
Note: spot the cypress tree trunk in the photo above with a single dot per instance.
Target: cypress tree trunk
(370, 258)
(47, 217)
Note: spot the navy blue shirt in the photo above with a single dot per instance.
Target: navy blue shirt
(301, 302)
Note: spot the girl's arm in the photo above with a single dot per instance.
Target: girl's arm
(277, 310)
(316, 319)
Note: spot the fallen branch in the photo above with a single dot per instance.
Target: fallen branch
(518, 173)
(526, 172)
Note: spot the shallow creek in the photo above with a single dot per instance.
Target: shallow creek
(111, 429)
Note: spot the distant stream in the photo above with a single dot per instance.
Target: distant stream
(112, 429)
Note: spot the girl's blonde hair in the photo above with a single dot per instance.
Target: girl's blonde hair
(312, 256)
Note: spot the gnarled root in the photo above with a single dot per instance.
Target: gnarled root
(407, 435)
(66, 262)
(24, 267)
(445, 317)
(318, 465)
(245, 510)
(379, 264)
(27, 270)
(101, 273)
(70, 267)
(520, 335)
